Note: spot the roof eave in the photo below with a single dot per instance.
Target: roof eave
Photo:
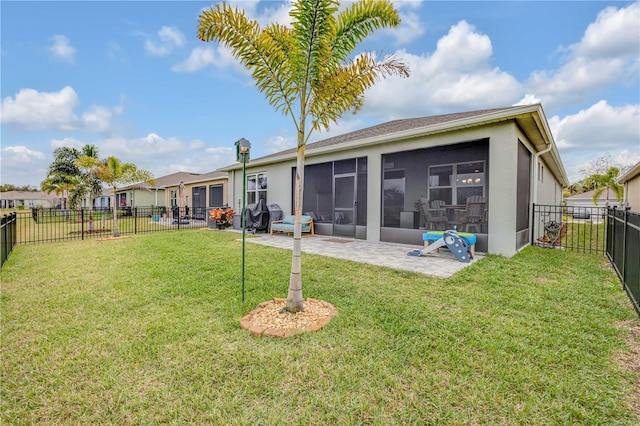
(544, 139)
(629, 174)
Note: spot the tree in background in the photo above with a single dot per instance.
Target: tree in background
(63, 174)
(88, 184)
(6, 187)
(306, 72)
(601, 176)
(66, 178)
(114, 173)
(606, 182)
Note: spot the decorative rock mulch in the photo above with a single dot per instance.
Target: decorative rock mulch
(271, 319)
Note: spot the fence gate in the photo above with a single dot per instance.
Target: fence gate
(580, 229)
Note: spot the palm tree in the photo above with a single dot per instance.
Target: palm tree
(305, 72)
(114, 173)
(606, 182)
(65, 173)
(57, 186)
(89, 183)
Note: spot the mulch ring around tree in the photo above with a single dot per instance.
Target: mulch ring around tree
(270, 318)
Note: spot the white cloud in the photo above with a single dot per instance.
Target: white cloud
(35, 110)
(69, 142)
(457, 76)
(199, 58)
(20, 154)
(615, 33)
(61, 48)
(608, 53)
(274, 13)
(218, 57)
(601, 127)
(22, 165)
(528, 99)
(169, 39)
(99, 118)
(280, 143)
(42, 110)
(411, 28)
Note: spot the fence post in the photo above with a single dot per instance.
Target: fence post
(3, 224)
(82, 222)
(533, 224)
(613, 237)
(135, 220)
(624, 244)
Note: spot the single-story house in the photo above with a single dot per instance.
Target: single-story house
(201, 192)
(585, 199)
(631, 182)
(28, 200)
(379, 182)
(102, 201)
(145, 195)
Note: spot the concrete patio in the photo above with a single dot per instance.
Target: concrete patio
(443, 264)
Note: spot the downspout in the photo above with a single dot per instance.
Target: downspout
(532, 224)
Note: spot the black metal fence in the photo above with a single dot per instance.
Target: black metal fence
(8, 235)
(580, 229)
(614, 232)
(46, 225)
(623, 250)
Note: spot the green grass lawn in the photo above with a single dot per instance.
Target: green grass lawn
(145, 330)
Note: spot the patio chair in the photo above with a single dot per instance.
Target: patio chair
(471, 218)
(434, 214)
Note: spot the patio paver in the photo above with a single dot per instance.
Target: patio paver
(443, 264)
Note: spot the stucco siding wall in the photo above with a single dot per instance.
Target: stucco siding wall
(549, 191)
(503, 154)
(142, 198)
(632, 193)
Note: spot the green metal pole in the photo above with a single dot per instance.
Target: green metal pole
(244, 200)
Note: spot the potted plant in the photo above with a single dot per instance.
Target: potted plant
(156, 211)
(222, 217)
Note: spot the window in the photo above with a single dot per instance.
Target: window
(215, 195)
(454, 183)
(173, 197)
(256, 188)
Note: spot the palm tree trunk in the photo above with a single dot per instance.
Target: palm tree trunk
(294, 297)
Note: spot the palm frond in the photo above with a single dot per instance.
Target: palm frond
(345, 89)
(359, 20)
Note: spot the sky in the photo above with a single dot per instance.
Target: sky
(133, 79)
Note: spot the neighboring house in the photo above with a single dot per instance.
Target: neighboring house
(585, 199)
(28, 199)
(368, 184)
(201, 191)
(103, 201)
(146, 195)
(631, 182)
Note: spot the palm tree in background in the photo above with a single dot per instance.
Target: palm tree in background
(114, 173)
(305, 72)
(67, 178)
(606, 182)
